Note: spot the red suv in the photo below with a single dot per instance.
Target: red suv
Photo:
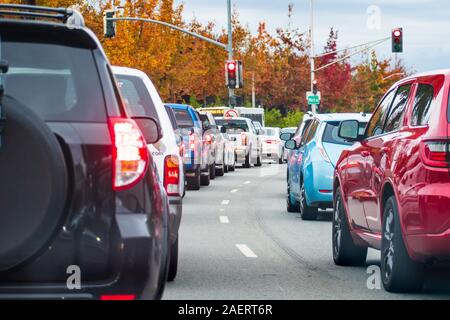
(392, 187)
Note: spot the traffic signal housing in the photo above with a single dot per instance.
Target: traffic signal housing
(109, 26)
(234, 74)
(315, 90)
(397, 40)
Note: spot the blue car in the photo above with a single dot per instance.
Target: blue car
(316, 147)
(196, 167)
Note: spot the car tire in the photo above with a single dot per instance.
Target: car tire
(205, 179)
(193, 183)
(173, 266)
(233, 167)
(258, 162)
(398, 272)
(247, 161)
(345, 252)
(306, 212)
(212, 171)
(221, 172)
(291, 206)
(280, 160)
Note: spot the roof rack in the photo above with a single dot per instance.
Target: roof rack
(68, 16)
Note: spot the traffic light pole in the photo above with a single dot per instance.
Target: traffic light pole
(311, 57)
(231, 96)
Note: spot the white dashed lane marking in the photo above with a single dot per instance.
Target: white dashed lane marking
(234, 190)
(224, 219)
(246, 251)
(225, 202)
(247, 182)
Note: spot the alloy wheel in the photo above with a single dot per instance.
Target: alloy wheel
(388, 253)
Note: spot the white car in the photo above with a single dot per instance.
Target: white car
(244, 137)
(142, 99)
(272, 146)
(229, 158)
(290, 130)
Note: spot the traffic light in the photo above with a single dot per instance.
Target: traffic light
(109, 26)
(397, 40)
(315, 89)
(233, 74)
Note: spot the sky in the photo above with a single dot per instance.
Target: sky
(425, 23)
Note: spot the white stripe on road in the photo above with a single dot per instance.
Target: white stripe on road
(225, 202)
(222, 210)
(224, 219)
(246, 251)
(247, 182)
(234, 190)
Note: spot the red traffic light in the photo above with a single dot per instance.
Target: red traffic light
(231, 66)
(397, 33)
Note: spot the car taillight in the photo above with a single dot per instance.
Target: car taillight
(244, 139)
(436, 153)
(208, 138)
(118, 297)
(272, 141)
(191, 141)
(172, 176)
(129, 152)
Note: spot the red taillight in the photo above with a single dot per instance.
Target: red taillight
(208, 138)
(191, 141)
(436, 153)
(244, 139)
(172, 176)
(325, 191)
(129, 152)
(272, 141)
(118, 297)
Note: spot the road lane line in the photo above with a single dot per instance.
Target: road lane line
(246, 251)
(225, 202)
(224, 219)
(247, 182)
(222, 210)
(234, 190)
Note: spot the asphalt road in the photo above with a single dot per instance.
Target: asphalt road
(237, 241)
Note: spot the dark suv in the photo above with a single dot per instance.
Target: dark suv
(82, 214)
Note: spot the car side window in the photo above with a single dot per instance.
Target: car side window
(397, 112)
(312, 131)
(422, 105)
(376, 124)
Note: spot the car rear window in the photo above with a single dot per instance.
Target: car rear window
(137, 98)
(270, 132)
(184, 120)
(57, 82)
(233, 126)
(330, 134)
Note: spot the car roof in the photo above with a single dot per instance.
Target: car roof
(128, 72)
(178, 106)
(236, 118)
(329, 117)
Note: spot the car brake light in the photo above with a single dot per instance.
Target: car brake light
(208, 138)
(129, 152)
(436, 153)
(324, 154)
(118, 297)
(272, 141)
(172, 175)
(244, 139)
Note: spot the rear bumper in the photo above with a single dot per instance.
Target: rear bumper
(271, 151)
(425, 247)
(319, 184)
(241, 153)
(129, 263)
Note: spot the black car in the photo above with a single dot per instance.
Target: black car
(82, 214)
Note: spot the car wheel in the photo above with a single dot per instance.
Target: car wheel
(247, 161)
(233, 167)
(306, 212)
(258, 162)
(173, 266)
(226, 168)
(398, 272)
(212, 171)
(205, 179)
(280, 160)
(345, 252)
(220, 172)
(193, 183)
(291, 205)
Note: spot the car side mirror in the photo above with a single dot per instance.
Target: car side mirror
(349, 130)
(223, 130)
(150, 129)
(286, 136)
(291, 145)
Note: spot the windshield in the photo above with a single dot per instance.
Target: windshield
(233, 126)
(136, 96)
(59, 83)
(184, 120)
(330, 134)
(270, 132)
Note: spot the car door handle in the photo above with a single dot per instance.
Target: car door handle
(365, 153)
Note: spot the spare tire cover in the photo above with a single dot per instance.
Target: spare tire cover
(33, 185)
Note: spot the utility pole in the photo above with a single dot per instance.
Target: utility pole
(311, 58)
(232, 98)
(253, 91)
